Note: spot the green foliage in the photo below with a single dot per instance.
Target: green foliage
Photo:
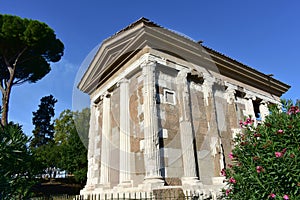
(48, 158)
(266, 159)
(44, 129)
(82, 121)
(73, 152)
(17, 164)
(26, 49)
(37, 43)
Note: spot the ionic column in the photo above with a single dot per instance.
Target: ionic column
(207, 87)
(124, 178)
(105, 147)
(151, 151)
(264, 110)
(249, 106)
(186, 132)
(97, 145)
(230, 95)
(92, 132)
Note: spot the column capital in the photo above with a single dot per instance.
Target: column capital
(123, 80)
(264, 102)
(230, 94)
(250, 96)
(208, 78)
(148, 63)
(183, 73)
(106, 94)
(94, 105)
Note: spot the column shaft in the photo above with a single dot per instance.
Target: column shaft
(105, 147)
(186, 129)
(124, 133)
(151, 151)
(264, 110)
(249, 106)
(91, 150)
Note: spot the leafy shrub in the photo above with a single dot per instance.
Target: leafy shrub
(17, 165)
(266, 158)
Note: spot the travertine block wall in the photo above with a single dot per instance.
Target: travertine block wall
(164, 111)
(196, 118)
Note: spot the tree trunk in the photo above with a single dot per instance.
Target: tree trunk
(6, 90)
(5, 104)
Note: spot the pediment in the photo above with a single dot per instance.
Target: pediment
(124, 45)
(115, 51)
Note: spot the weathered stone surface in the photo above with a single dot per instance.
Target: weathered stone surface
(171, 194)
(181, 114)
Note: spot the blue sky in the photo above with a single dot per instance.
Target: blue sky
(262, 34)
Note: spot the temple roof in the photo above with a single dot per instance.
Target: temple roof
(122, 46)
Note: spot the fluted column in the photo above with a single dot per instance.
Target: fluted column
(105, 147)
(264, 110)
(90, 184)
(124, 178)
(151, 151)
(187, 134)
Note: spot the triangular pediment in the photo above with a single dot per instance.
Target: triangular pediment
(124, 45)
(118, 49)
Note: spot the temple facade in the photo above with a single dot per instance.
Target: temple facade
(164, 111)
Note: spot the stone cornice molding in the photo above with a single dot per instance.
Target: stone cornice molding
(143, 35)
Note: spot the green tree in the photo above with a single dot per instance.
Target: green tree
(17, 164)
(26, 49)
(74, 153)
(82, 122)
(48, 158)
(266, 159)
(42, 120)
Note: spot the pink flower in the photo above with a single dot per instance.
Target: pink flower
(259, 169)
(293, 110)
(272, 195)
(280, 131)
(285, 197)
(232, 180)
(223, 172)
(249, 121)
(278, 154)
(241, 123)
(227, 192)
(231, 156)
(283, 151)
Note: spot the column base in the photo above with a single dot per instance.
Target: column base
(100, 187)
(218, 180)
(126, 184)
(87, 190)
(191, 183)
(153, 182)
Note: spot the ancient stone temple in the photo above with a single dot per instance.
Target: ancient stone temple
(164, 110)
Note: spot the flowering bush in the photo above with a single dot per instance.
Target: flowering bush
(265, 162)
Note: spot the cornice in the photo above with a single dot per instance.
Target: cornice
(142, 34)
